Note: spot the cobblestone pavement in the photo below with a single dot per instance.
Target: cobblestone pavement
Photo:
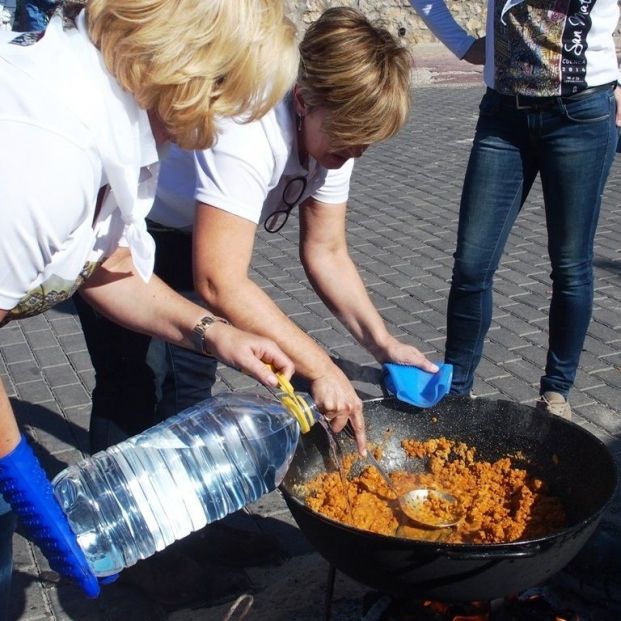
(401, 232)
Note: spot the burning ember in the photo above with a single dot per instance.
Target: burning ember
(533, 605)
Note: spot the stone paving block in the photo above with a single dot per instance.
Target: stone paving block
(41, 339)
(37, 392)
(515, 388)
(524, 370)
(604, 333)
(71, 395)
(310, 323)
(509, 340)
(483, 389)
(512, 323)
(80, 361)
(487, 370)
(602, 416)
(11, 335)
(591, 363)
(72, 343)
(353, 353)
(386, 291)
(318, 308)
(24, 371)
(604, 394)
(425, 294)
(332, 338)
(611, 377)
(292, 307)
(51, 356)
(499, 354)
(19, 352)
(60, 375)
(28, 601)
(65, 325)
(36, 323)
(87, 379)
(9, 386)
(399, 317)
(424, 333)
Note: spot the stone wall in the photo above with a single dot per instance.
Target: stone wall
(399, 17)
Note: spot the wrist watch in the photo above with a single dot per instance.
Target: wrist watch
(198, 332)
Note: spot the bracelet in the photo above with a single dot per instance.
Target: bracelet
(198, 332)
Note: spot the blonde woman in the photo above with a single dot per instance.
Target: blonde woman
(84, 107)
(353, 90)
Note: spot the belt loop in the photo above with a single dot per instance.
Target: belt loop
(518, 106)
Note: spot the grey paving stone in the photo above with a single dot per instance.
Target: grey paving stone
(24, 371)
(11, 335)
(516, 389)
(19, 352)
(37, 392)
(602, 416)
(41, 339)
(52, 356)
(310, 323)
(71, 395)
(60, 375)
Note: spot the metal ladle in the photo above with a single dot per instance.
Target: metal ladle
(412, 502)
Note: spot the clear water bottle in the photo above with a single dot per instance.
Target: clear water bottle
(137, 497)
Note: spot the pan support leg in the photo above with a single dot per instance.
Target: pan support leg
(327, 610)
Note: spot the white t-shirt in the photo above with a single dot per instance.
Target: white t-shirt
(244, 173)
(53, 161)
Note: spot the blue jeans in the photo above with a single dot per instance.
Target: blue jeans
(7, 527)
(33, 15)
(571, 145)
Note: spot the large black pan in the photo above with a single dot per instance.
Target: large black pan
(577, 466)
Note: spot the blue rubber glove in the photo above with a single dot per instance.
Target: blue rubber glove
(25, 486)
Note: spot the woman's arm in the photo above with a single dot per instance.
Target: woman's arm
(9, 433)
(154, 308)
(221, 263)
(334, 276)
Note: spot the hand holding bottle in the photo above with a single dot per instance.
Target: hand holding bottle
(25, 486)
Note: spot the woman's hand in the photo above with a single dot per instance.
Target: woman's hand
(337, 400)
(476, 52)
(248, 353)
(402, 353)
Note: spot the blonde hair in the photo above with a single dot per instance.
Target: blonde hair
(359, 73)
(192, 61)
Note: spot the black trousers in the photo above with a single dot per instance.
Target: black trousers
(125, 392)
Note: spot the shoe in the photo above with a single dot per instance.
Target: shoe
(554, 403)
(175, 580)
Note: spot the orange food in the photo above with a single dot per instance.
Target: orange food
(500, 502)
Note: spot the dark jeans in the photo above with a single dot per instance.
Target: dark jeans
(139, 381)
(571, 145)
(7, 527)
(33, 15)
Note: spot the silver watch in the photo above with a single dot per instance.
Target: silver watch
(198, 332)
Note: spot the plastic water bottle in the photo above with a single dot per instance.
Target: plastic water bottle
(137, 497)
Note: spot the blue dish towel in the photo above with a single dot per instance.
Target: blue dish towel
(415, 386)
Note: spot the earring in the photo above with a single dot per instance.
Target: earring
(300, 118)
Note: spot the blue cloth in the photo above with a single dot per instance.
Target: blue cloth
(415, 386)
(33, 15)
(7, 528)
(571, 145)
